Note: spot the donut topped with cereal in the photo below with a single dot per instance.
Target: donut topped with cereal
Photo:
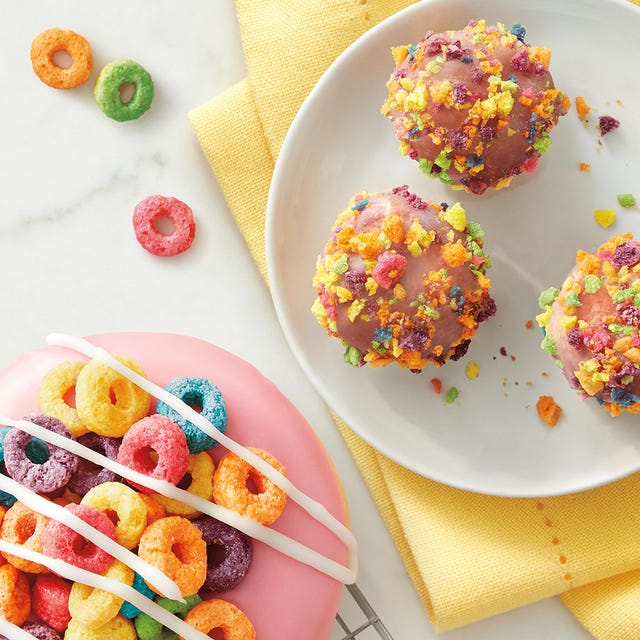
(474, 107)
(179, 518)
(591, 324)
(402, 280)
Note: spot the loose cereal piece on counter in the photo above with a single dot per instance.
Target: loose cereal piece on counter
(154, 208)
(43, 50)
(604, 217)
(606, 124)
(626, 200)
(107, 90)
(582, 108)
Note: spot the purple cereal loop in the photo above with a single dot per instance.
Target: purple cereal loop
(237, 548)
(41, 631)
(51, 475)
(89, 475)
(607, 124)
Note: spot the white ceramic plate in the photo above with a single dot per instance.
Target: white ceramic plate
(490, 439)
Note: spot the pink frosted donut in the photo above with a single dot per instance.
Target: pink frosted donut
(155, 433)
(59, 541)
(402, 280)
(154, 208)
(474, 107)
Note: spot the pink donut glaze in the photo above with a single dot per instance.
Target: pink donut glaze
(282, 597)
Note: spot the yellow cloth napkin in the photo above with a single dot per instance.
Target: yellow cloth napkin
(470, 556)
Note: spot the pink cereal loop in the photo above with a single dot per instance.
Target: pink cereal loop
(154, 208)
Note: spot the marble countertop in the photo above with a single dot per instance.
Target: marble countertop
(69, 260)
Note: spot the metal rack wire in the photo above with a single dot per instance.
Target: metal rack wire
(371, 619)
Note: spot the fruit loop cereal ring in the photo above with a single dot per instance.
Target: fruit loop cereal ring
(102, 415)
(200, 469)
(93, 608)
(130, 611)
(15, 598)
(154, 208)
(155, 433)
(25, 527)
(58, 541)
(54, 388)
(50, 600)
(236, 547)
(215, 613)
(88, 475)
(128, 506)
(230, 488)
(175, 546)
(41, 631)
(47, 44)
(149, 628)
(41, 477)
(117, 629)
(107, 90)
(202, 394)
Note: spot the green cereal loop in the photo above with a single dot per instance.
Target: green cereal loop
(107, 90)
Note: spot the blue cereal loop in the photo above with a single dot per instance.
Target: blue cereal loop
(127, 610)
(623, 397)
(196, 392)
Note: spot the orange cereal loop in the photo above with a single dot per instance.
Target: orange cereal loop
(15, 595)
(221, 614)
(175, 546)
(56, 386)
(23, 526)
(43, 50)
(127, 505)
(230, 488)
(107, 402)
(93, 608)
(119, 628)
(155, 510)
(200, 470)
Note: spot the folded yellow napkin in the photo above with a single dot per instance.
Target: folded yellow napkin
(470, 556)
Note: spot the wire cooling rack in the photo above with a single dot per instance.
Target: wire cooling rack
(369, 627)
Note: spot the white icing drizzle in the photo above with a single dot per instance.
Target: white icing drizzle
(286, 545)
(52, 510)
(116, 587)
(253, 528)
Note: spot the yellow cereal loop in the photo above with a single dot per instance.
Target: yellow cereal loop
(93, 608)
(118, 628)
(129, 507)
(201, 470)
(108, 403)
(56, 385)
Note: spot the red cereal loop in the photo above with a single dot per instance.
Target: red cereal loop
(217, 613)
(175, 546)
(50, 600)
(47, 44)
(155, 433)
(15, 597)
(25, 527)
(155, 208)
(230, 488)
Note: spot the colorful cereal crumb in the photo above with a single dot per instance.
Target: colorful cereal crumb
(451, 396)
(607, 124)
(585, 166)
(472, 370)
(436, 383)
(604, 217)
(626, 200)
(582, 108)
(528, 324)
(548, 410)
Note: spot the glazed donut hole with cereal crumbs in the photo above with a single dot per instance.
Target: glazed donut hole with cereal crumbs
(402, 280)
(591, 324)
(474, 107)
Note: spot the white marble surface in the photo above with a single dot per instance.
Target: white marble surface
(69, 260)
